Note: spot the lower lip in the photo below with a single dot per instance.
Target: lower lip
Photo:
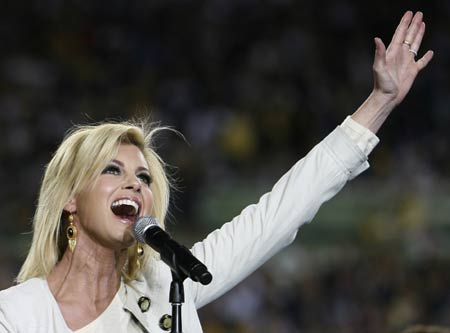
(126, 220)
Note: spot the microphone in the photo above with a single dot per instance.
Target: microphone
(176, 256)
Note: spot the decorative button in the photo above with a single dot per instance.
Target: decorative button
(165, 322)
(144, 303)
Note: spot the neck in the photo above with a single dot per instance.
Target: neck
(88, 274)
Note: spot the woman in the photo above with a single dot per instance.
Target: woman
(84, 271)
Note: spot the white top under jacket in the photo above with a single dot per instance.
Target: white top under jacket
(231, 253)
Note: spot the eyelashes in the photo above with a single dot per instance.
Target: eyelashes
(113, 169)
(145, 177)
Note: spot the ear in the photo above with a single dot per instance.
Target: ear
(71, 206)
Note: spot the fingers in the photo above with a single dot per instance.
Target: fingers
(418, 38)
(380, 54)
(402, 28)
(409, 35)
(423, 62)
(413, 31)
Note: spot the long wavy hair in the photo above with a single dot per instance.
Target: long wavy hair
(78, 162)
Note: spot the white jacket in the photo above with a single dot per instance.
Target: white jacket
(231, 253)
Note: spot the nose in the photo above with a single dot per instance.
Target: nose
(132, 183)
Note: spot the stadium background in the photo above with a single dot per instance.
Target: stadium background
(252, 85)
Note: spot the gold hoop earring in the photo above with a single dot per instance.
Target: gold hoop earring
(71, 234)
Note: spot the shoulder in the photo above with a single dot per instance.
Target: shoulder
(31, 294)
(34, 301)
(28, 289)
(155, 277)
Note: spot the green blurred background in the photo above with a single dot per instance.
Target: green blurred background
(253, 86)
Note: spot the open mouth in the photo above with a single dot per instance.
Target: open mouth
(127, 209)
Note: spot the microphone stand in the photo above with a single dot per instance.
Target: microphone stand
(176, 295)
(176, 298)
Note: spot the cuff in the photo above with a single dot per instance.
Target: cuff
(346, 153)
(362, 137)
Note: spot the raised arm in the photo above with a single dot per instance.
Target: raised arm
(261, 230)
(394, 70)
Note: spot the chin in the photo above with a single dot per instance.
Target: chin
(128, 239)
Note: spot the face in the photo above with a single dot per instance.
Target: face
(107, 209)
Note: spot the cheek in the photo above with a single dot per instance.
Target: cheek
(94, 198)
(148, 202)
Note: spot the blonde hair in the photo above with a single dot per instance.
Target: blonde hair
(79, 160)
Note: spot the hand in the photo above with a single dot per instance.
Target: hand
(395, 68)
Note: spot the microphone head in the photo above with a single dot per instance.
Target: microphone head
(141, 226)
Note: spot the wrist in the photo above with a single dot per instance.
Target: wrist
(383, 100)
(374, 111)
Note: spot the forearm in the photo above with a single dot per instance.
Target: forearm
(374, 111)
(261, 230)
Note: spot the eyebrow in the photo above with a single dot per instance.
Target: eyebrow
(121, 164)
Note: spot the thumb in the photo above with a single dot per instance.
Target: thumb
(380, 54)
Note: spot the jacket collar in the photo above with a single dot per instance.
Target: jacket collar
(130, 295)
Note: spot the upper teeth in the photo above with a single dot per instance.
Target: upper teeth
(128, 202)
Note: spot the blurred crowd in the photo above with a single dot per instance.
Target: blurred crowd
(252, 86)
(370, 293)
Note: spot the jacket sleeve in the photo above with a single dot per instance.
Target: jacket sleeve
(5, 327)
(239, 247)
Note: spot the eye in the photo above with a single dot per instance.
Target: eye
(145, 177)
(111, 169)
